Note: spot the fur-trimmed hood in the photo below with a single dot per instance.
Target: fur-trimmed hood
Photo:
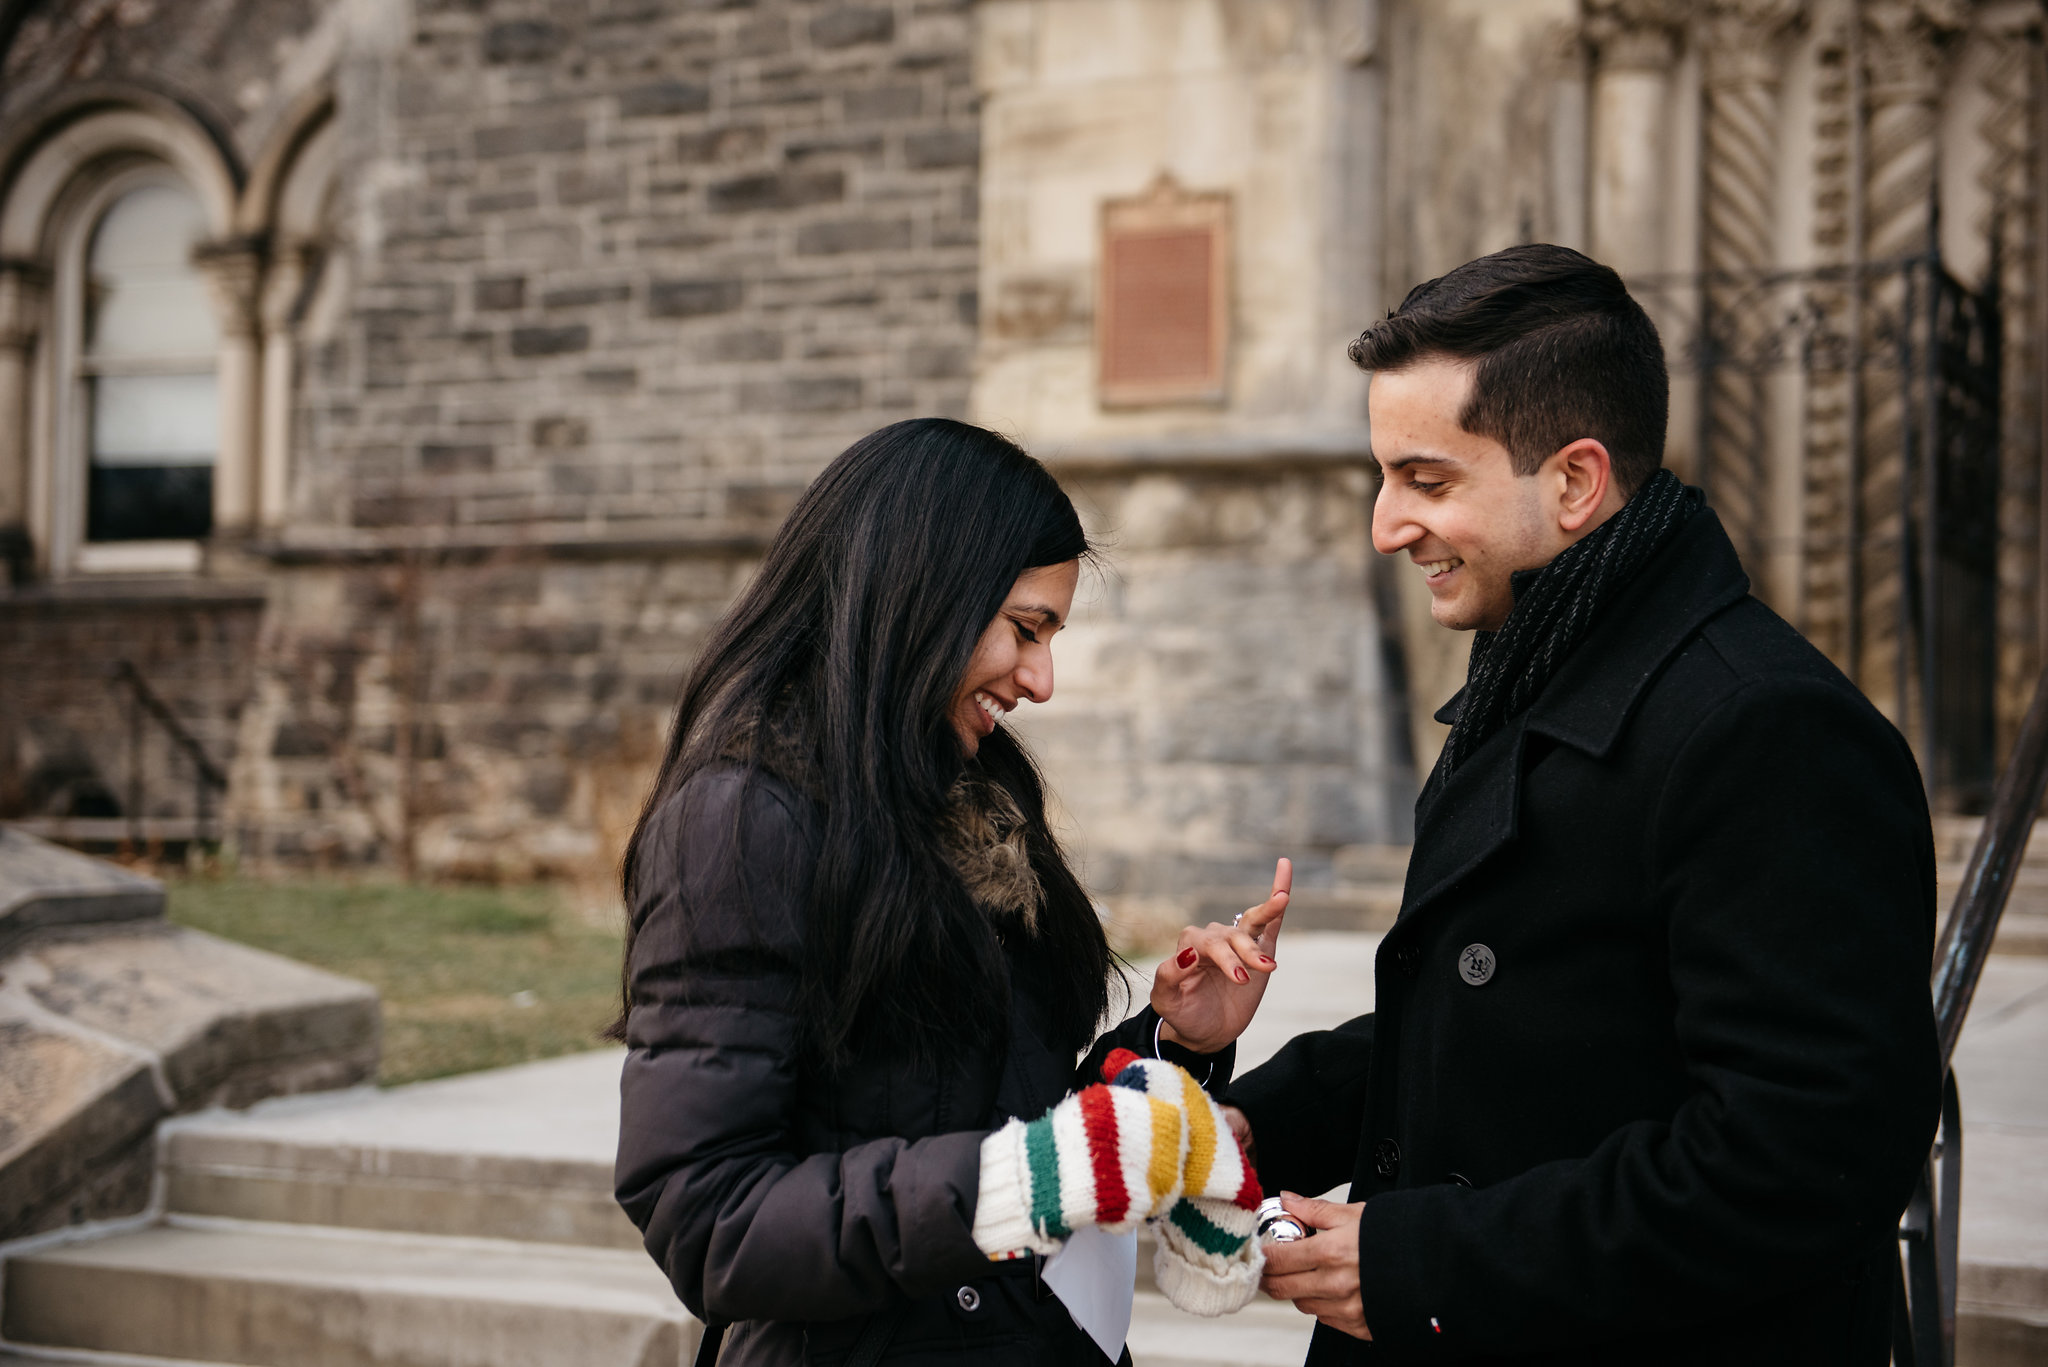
(985, 833)
(983, 830)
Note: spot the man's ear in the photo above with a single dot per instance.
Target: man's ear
(1586, 475)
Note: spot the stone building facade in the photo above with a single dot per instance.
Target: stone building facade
(524, 322)
(533, 320)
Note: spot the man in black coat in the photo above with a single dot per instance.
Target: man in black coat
(1653, 1067)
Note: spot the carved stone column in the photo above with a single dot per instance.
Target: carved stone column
(235, 272)
(1634, 45)
(1831, 398)
(1905, 47)
(2011, 180)
(23, 287)
(283, 288)
(1738, 175)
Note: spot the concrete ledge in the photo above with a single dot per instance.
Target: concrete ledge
(230, 1024)
(44, 886)
(106, 1030)
(76, 1120)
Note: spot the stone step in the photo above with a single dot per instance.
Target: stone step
(520, 1153)
(44, 887)
(263, 1295)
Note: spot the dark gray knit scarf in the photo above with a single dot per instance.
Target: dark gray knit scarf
(1554, 608)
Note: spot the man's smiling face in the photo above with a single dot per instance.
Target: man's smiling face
(1451, 501)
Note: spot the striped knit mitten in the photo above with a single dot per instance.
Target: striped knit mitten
(1110, 1155)
(1206, 1259)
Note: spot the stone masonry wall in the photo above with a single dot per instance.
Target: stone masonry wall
(632, 263)
(1223, 695)
(490, 717)
(65, 747)
(615, 280)
(603, 284)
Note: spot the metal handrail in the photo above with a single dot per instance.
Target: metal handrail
(1930, 1232)
(207, 775)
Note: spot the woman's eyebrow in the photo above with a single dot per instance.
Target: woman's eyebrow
(1052, 618)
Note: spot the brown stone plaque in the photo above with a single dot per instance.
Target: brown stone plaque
(1162, 318)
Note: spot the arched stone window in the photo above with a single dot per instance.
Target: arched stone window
(128, 345)
(146, 400)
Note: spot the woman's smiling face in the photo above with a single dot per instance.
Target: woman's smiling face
(1013, 659)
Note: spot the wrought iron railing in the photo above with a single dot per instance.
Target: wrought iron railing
(1924, 1330)
(208, 781)
(1917, 354)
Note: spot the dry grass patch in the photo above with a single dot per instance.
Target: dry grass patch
(471, 977)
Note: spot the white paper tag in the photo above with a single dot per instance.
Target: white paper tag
(1095, 1275)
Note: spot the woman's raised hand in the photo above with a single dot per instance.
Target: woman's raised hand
(1208, 991)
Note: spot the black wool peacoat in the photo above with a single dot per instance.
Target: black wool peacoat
(1653, 1065)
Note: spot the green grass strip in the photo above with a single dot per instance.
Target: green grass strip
(1045, 1178)
(1204, 1232)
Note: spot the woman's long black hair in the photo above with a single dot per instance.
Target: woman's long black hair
(850, 646)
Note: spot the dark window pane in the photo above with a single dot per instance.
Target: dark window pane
(149, 503)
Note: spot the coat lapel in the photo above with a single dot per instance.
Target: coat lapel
(1586, 706)
(1466, 820)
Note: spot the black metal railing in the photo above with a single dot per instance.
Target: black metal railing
(145, 704)
(1918, 355)
(1924, 1330)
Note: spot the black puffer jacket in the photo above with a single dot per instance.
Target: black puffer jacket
(793, 1205)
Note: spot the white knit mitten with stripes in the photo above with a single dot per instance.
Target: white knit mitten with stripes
(1147, 1146)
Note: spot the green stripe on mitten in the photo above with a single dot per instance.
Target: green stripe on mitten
(1110, 1155)
(1207, 1261)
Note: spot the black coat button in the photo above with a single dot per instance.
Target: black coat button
(969, 1298)
(1386, 1158)
(1475, 965)
(1409, 957)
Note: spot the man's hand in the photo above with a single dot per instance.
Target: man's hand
(1320, 1274)
(1208, 990)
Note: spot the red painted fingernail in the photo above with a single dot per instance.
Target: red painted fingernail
(1240, 975)
(1187, 958)
(1265, 960)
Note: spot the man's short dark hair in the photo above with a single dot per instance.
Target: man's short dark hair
(1563, 352)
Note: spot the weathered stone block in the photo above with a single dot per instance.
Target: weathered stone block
(583, 296)
(550, 341)
(692, 298)
(519, 139)
(502, 202)
(885, 102)
(523, 41)
(776, 190)
(812, 394)
(752, 344)
(942, 147)
(854, 235)
(445, 459)
(664, 97)
(229, 1024)
(44, 885)
(560, 433)
(722, 145)
(502, 292)
(846, 27)
(580, 185)
(73, 1113)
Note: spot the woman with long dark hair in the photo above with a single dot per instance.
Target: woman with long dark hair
(863, 985)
